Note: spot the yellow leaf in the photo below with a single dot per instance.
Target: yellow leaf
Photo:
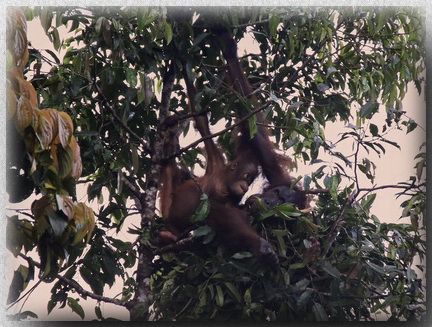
(47, 127)
(14, 75)
(16, 37)
(54, 157)
(76, 159)
(49, 186)
(66, 205)
(65, 128)
(41, 206)
(84, 223)
(33, 166)
(26, 89)
(65, 161)
(11, 103)
(53, 113)
(24, 114)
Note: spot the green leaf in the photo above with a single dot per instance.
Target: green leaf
(202, 211)
(99, 24)
(373, 129)
(199, 38)
(131, 77)
(51, 305)
(95, 283)
(368, 109)
(319, 312)
(253, 127)
(202, 231)
(53, 55)
(98, 313)
(333, 187)
(304, 299)
(46, 17)
(367, 203)
(273, 24)
(168, 32)
(247, 296)
(234, 291)
(298, 265)
(219, 296)
(19, 283)
(55, 38)
(76, 307)
(142, 18)
(330, 269)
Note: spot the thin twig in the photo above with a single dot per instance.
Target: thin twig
(371, 189)
(264, 21)
(24, 295)
(175, 246)
(84, 293)
(350, 296)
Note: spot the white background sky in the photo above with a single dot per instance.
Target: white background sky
(396, 165)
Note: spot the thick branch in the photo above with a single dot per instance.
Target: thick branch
(141, 302)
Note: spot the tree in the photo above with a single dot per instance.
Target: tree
(113, 90)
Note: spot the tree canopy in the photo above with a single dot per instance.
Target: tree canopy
(94, 120)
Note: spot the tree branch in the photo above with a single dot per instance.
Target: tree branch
(350, 296)
(120, 121)
(84, 293)
(239, 122)
(139, 306)
(78, 288)
(175, 246)
(371, 189)
(264, 21)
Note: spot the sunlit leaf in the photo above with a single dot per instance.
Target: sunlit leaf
(11, 105)
(84, 223)
(66, 205)
(76, 159)
(168, 32)
(26, 89)
(65, 128)
(273, 24)
(47, 126)
(24, 114)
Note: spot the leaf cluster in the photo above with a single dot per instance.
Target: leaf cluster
(356, 276)
(48, 161)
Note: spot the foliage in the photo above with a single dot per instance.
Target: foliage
(312, 67)
(48, 162)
